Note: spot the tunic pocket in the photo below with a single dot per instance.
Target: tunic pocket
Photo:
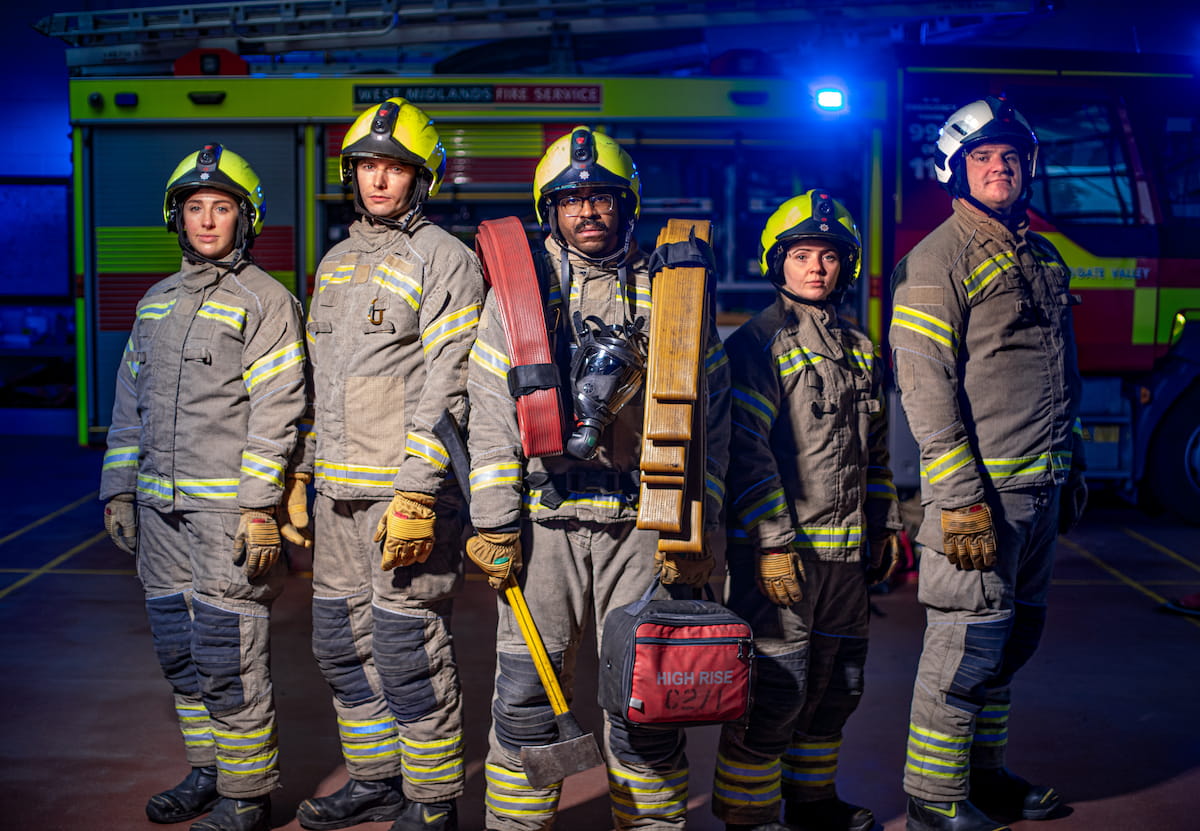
(375, 422)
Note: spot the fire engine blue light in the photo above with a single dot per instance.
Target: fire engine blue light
(830, 99)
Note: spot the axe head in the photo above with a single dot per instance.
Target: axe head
(549, 763)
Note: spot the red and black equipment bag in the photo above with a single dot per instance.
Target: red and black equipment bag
(676, 663)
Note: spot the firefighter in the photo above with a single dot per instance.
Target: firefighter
(209, 395)
(389, 328)
(571, 518)
(986, 364)
(813, 521)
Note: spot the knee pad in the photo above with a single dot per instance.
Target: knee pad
(336, 652)
(982, 656)
(1029, 621)
(218, 655)
(404, 666)
(779, 690)
(833, 698)
(651, 747)
(171, 627)
(849, 666)
(521, 711)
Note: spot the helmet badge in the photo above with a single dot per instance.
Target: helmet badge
(583, 174)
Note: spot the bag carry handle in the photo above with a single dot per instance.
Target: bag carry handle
(633, 609)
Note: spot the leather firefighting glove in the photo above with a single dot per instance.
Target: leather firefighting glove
(406, 529)
(1072, 502)
(497, 553)
(969, 536)
(779, 576)
(885, 556)
(120, 521)
(257, 545)
(685, 568)
(292, 514)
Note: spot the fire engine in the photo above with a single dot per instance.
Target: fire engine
(1117, 191)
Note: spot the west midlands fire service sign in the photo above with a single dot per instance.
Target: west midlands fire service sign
(540, 95)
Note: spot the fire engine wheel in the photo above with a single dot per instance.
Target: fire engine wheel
(1174, 465)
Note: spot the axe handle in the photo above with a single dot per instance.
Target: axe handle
(537, 649)
(446, 429)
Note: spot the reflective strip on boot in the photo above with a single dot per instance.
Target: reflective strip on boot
(635, 796)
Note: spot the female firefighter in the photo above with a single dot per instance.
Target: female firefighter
(813, 518)
(209, 395)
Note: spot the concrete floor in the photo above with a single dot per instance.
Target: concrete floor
(1107, 711)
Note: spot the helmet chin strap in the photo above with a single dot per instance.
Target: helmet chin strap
(1015, 213)
(617, 255)
(239, 256)
(834, 297)
(401, 224)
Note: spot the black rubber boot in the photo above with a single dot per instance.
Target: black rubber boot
(428, 816)
(830, 814)
(1002, 793)
(195, 795)
(773, 825)
(357, 801)
(231, 814)
(924, 815)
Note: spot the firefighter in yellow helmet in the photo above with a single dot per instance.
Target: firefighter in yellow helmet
(572, 516)
(984, 353)
(812, 523)
(209, 395)
(391, 321)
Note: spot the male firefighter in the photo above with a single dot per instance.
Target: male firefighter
(391, 322)
(813, 521)
(570, 519)
(209, 395)
(985, 360)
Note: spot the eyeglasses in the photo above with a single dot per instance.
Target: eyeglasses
(573, 205)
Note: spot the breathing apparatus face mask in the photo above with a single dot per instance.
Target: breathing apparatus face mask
(606, 372)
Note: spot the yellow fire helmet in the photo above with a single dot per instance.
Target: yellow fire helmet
(397, 130)
(214, 166)
(815, 214)
(586, 159)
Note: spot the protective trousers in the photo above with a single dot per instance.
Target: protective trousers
(211, 635)
(809, 680)
(981, 627)
(576, 569)
(382, 641)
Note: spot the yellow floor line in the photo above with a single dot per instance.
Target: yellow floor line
(89, 498)
(1129, 581)
(61, 558)
(1161, 548)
